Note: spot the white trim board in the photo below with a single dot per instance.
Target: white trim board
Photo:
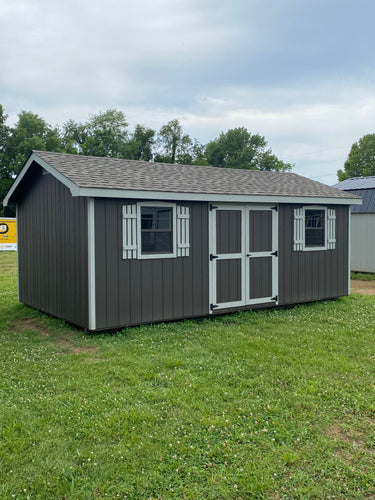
(91, 263)
(212, 197)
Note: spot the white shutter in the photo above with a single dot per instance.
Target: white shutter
(331, 229)
(299, 228)
(183, 243)
(129, 232)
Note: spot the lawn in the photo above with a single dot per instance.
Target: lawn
(272, 404)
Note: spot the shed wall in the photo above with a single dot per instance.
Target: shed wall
(131, 291)
(52, 250)
(363, 242)
(312, 275)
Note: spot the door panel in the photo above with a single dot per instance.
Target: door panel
(228, 231)
(243, 255)
(260, 277)
(260, 231)
(228, 281)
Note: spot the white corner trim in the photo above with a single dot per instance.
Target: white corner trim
(91, 262)
(349, 246)
(18, 256)
(74, 189)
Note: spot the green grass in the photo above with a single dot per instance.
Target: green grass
(272, 404)
(362, 276)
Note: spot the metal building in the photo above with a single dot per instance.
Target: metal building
(362, 223)
(106, 243)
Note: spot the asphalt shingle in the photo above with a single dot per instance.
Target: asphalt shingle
(112, 173)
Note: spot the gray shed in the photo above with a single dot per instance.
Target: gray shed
(106, 243)
(362, 223)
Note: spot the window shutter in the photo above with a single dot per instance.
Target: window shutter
(183, 243)
(331, 230)
(299, 228)
(129, 232)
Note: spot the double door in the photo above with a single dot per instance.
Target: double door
(243, 255)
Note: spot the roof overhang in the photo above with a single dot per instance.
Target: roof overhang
(74, 189)
(230, 198)
(169, 195)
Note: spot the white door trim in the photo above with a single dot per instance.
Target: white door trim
(243, 255)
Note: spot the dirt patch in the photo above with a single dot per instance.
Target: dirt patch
(23, 325)
(364, 287)
(63, 338)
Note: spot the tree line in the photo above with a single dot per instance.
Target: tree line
(107, 134)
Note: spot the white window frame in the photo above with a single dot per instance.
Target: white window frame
(321, 247)
(299, 222)
(168, 255)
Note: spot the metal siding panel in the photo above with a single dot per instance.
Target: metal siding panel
(363, 243)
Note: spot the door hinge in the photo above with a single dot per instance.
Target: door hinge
(212, 257)
(275, 298)
(213, 306)
(212, 207)
(275, 253)
(275, 208)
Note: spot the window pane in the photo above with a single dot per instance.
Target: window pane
(160, 242)
(156, 218)
(156, 230)
(314, 228)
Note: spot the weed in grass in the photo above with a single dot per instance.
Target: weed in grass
(362, 276)
(277, 403)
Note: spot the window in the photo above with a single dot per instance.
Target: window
(156, 230)
(153, 230)
(314, 228)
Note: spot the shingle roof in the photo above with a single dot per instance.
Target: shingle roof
(356, 183)
(120, 174)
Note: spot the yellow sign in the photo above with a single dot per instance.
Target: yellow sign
(8, 234)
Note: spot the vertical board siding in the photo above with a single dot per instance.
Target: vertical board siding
(312, 275)
(53, 251)
(363, 242)
(228, 280)
(260, 231)
(228, 231)
(132, 291)
(260, 277)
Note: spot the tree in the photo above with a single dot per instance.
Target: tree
(361, 159)
(174, 145)
(238, 148)
(30, 132)
(104, 134)
(140, 145)
(5, 178)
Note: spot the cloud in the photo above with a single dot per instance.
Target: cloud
(299, 73)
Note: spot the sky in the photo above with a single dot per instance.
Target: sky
(300, 73)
